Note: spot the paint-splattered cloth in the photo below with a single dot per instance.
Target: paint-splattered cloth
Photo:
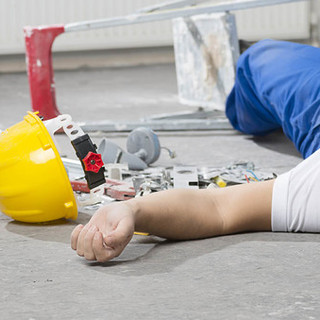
(278, 86)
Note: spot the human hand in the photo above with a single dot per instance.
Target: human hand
(106, 234)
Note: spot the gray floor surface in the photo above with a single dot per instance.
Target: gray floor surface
(245, 276)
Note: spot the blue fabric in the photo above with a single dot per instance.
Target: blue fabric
(278, 86)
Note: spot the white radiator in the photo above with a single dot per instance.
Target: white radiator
(290, 21)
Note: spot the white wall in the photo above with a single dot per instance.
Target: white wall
(289, 21)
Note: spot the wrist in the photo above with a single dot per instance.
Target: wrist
(134, 207)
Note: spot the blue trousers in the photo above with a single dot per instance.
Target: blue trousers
(278, 86)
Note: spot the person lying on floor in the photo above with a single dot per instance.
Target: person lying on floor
(256, 105)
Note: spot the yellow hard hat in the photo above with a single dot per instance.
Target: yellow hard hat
(34, 185)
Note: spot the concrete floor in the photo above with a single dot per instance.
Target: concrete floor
(245, 276)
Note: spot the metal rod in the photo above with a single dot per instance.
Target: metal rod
(171, 14)
(172, 125)
(170, 5)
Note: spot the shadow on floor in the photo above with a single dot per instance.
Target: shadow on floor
(149, 255)
(167, 255)
(276, 141)
(54, 231)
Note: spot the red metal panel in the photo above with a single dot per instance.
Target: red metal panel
(39, 42)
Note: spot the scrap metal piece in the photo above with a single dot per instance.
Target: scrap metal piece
(137, 183)
(95, 196)
(115, 170)
(185, 177)
(146, 187)
(151, 181)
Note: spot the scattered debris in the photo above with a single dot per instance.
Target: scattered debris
(139, 183)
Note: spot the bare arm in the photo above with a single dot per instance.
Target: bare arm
(175, 214)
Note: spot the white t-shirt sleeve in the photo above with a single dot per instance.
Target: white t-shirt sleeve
(296, 198)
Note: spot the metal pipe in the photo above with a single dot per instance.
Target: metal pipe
(171, 14)
(166, 125)
(170, 5)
